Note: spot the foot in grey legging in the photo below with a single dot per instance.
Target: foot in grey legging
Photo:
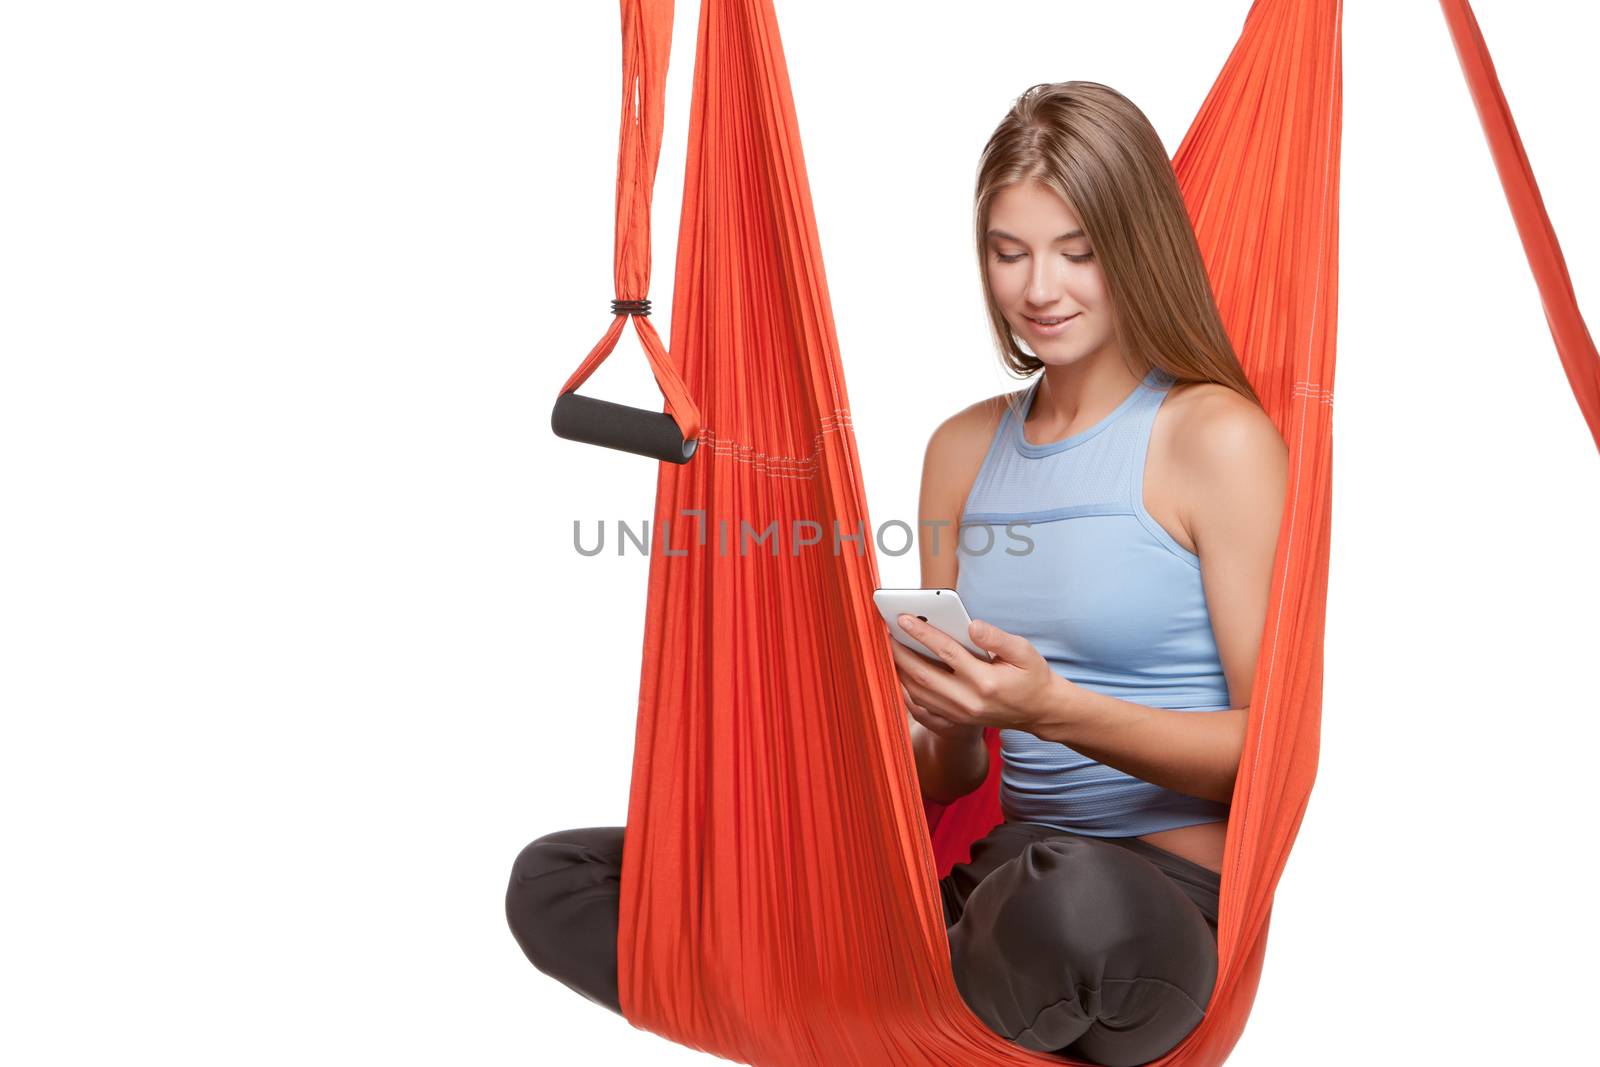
(562, 905)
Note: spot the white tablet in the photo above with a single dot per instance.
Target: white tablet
(941, 608)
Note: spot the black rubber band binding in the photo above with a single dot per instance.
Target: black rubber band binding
(630, 307)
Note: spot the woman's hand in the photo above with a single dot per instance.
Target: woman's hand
(960, 695)
(936, 723)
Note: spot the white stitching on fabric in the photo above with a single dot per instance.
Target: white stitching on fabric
(778, 466)
(1314, 391)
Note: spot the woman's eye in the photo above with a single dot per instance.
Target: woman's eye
(1002, 257)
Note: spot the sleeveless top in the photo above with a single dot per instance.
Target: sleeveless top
(1071, 560)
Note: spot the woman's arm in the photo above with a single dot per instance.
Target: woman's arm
(949, 765)
(1234, 467)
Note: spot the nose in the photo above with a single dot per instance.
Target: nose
(1043, 283)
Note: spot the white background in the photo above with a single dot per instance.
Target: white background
(297, 652)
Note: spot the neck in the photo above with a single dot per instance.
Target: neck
(1078, 394)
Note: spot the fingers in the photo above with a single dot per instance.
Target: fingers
(918, 711)
(952, 653)
(925, 678)
(921, 685)
(911, 663)
(998, 643)
(933, 721)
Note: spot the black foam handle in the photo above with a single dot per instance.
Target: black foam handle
(627, 429)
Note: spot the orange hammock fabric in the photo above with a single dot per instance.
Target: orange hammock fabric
(779, 902)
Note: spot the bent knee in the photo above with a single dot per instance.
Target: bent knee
(1078, 940)
(1093, 900)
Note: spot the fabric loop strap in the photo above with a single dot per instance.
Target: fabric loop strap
(646, 50)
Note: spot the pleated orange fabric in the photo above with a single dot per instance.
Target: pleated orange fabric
(779, 901)
(1567, 327)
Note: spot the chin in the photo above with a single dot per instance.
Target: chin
(1051, 358)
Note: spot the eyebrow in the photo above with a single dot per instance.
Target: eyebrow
(1014, 237)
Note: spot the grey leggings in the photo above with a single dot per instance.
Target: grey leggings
(1102, 949)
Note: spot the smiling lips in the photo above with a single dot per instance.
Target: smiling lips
(1052, 325)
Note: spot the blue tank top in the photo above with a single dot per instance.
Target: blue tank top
(1105, 594)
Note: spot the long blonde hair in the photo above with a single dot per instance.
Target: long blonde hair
(1099, 153)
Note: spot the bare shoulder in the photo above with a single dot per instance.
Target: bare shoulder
(1228, 454)
(1214, 428)
(949, 468)
(970, 428)
(958, 444)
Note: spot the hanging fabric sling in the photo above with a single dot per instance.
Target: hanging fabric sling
(779, 903)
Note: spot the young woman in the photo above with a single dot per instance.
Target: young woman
(1152, 485)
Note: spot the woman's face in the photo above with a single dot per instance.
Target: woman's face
(1041, 267)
